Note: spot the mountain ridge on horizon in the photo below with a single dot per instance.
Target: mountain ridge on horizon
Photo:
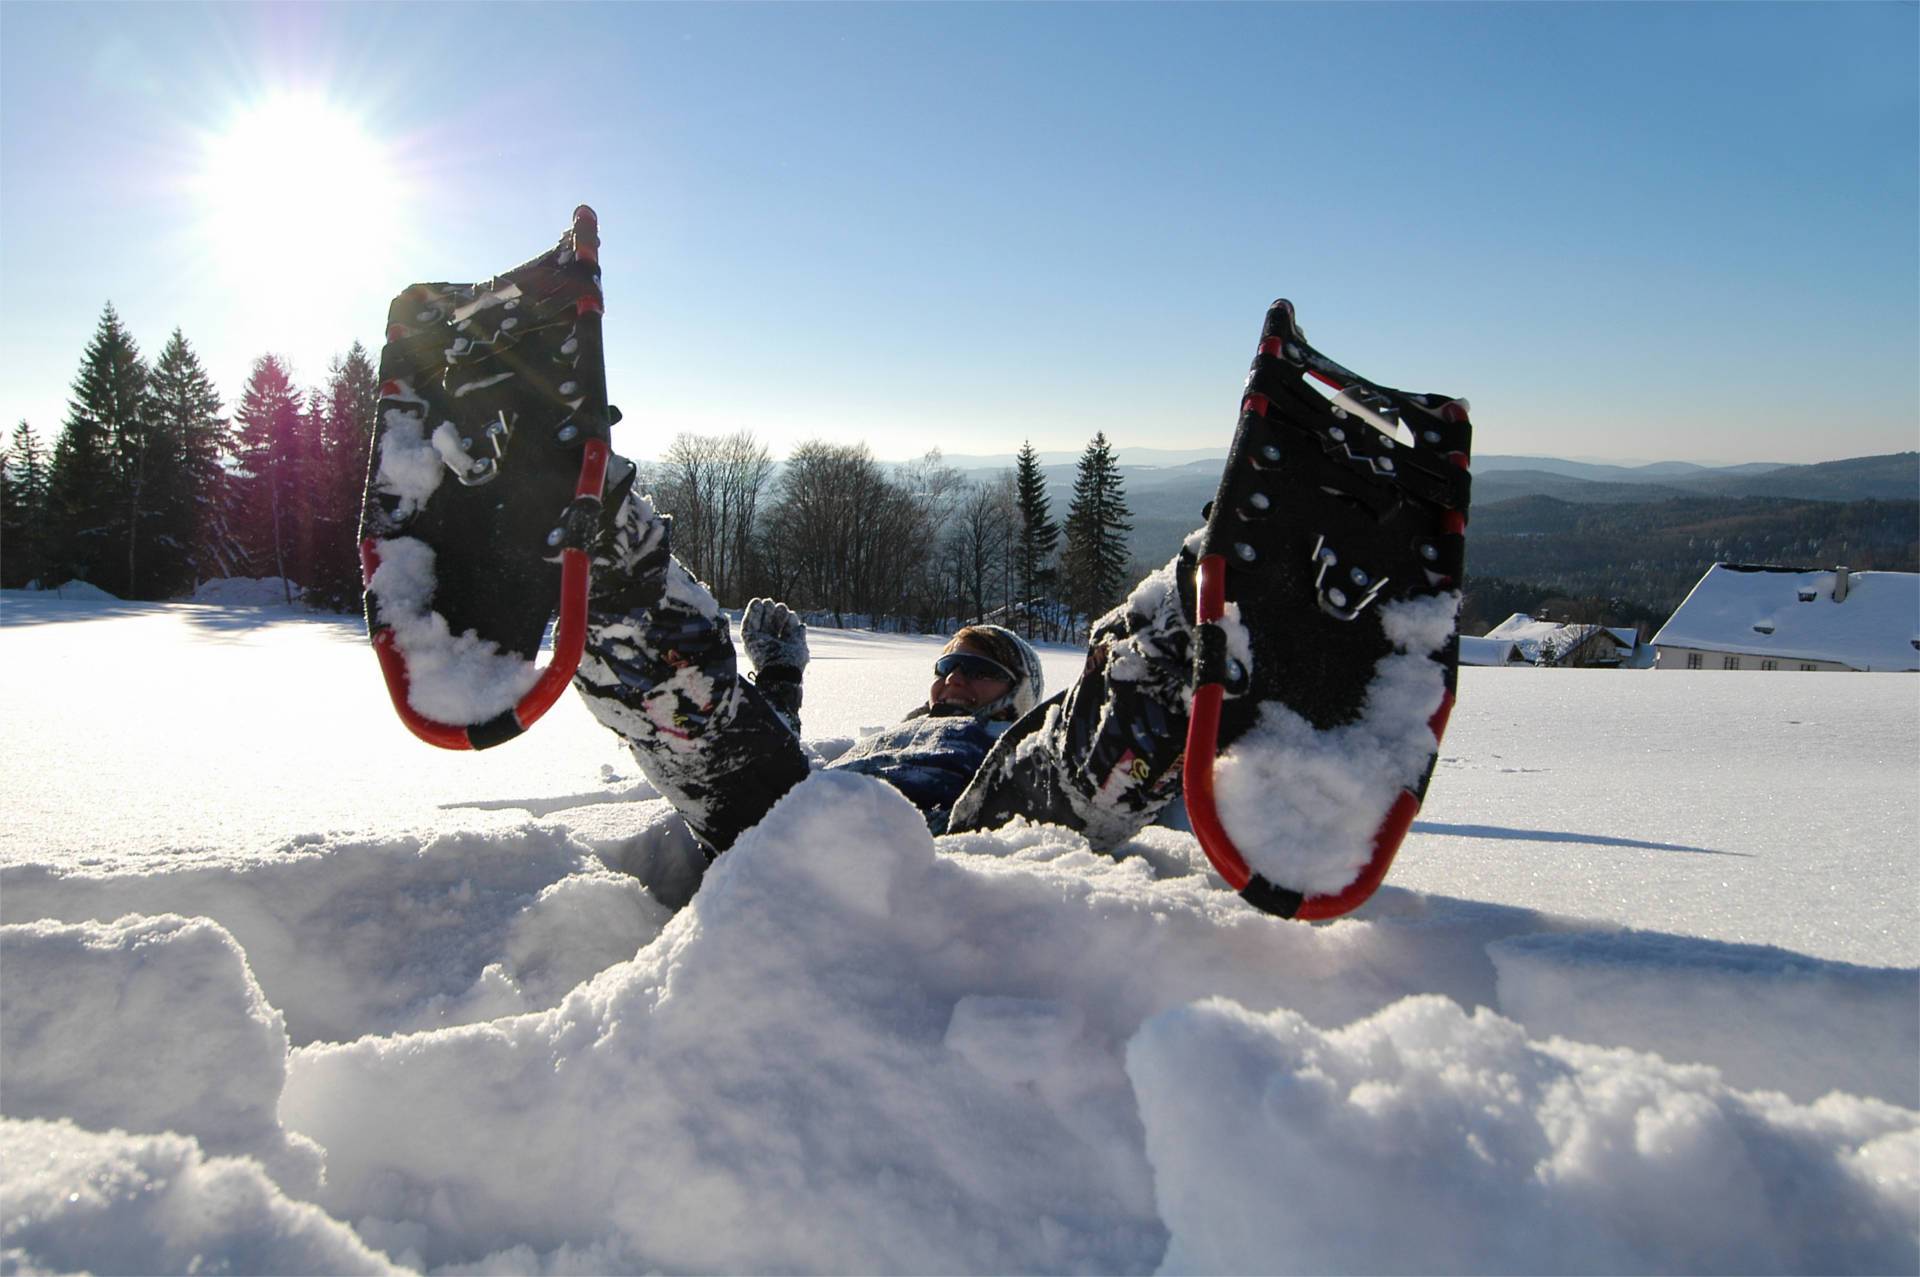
(1163, 458)
(1166, 501)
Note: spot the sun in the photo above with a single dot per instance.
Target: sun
(297, 183)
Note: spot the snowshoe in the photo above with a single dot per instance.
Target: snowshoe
(1327, 601)
(483, 491)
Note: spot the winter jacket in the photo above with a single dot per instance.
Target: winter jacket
(930, 758)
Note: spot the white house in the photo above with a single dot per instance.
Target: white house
(1743, 617)
(1535, 642)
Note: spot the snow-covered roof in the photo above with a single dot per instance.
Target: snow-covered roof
(1475, 650)
(1533, 639)
(1792, 614)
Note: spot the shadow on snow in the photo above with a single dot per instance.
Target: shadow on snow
(1550, 835)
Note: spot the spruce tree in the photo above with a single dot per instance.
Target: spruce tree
(23, 509)
(1097, 525)
(1039, 534)
(189, 483)
(269, 481)
(96, 478)
(344, 418)
(311, 491)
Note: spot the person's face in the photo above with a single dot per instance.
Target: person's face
(973, 680)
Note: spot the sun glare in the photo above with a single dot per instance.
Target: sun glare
(302, 224)
(296, 183)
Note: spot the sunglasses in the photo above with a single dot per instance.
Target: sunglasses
(969, 666)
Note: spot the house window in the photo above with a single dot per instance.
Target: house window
(1806, 667)
(1693, 660)
(1768, 665)
(1729, 662)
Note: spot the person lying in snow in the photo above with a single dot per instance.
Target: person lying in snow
(1320, 682)
(660, 670)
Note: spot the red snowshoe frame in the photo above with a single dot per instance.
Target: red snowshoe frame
(1203, 736)
(1448, 444)
(577, 521)
(569, 642)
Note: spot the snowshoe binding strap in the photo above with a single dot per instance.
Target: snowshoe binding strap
(1334, 543)
(499, 386)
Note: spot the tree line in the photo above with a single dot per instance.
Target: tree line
(833, 531)
(149, 489)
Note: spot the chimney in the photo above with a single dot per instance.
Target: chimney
(1840, 584)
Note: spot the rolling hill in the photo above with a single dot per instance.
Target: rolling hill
(1167, 500)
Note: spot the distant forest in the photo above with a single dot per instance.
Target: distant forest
(1621, 552)
(1641, 559)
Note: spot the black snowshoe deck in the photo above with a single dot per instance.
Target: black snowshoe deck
(1326, 518)
(489, 451)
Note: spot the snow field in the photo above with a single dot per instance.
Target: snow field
(1744, 806)
(861, 1048)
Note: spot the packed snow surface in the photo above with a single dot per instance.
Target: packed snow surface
(283, 990)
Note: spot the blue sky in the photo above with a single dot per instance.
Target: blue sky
(1625, 231)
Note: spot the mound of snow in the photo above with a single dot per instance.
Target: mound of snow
(848, 1053)
(96, 1031)
(355, 936)
(854, 1051)
(1425, 1139)
(74, 1201)
(83, 591)
(246, 591)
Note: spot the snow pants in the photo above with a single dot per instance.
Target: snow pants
(1102, 757)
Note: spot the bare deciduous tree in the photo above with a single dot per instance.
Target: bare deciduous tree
(844, 536)
(979, 546)
(712, 485)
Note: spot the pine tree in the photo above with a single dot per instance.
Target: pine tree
(345, 432)
(189, 482)
(77, 500)
(269, 488)
(1097, 525)
(96, 478)
(311, 491)
(1039, 534)
(209, 446)
(23, 509)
